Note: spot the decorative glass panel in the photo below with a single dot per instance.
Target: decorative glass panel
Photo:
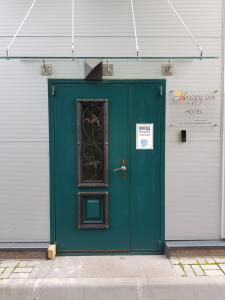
(92, 143)
(92, 210)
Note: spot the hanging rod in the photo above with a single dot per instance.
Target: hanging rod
(135, 28)
(186, 28)
(19, 28)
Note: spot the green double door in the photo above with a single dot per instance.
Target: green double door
(107, 166)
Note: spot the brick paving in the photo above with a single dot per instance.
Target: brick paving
(199, 266)
(18, 269)
(184, 266)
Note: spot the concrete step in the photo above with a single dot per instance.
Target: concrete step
(23, 250)
(195, 248)
(125, 288)
(127, 277)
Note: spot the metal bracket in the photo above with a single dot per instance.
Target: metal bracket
(46, 69)
(53, 90)
(167, 70)
(107, 69)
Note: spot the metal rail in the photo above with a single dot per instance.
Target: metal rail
(108, 57)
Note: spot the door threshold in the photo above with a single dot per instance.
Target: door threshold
(103, 253)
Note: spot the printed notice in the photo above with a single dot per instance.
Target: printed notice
(144, 136)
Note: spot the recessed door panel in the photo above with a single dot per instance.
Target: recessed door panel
(147, 170)
(74, 229)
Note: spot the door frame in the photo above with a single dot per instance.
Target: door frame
(52, 84)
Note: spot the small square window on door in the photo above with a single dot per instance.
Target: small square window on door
(92, 143)
(92, 210)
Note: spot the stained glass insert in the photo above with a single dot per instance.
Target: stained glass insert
(92, 143)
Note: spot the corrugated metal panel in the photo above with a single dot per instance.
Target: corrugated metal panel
(192, 187)
(192, 169)
(102, 17)
(24, 99)
(24, 191)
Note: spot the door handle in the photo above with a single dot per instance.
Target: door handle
(122, 168)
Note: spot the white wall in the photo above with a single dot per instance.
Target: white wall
(102, 27)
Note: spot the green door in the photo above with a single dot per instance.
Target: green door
(107, 166)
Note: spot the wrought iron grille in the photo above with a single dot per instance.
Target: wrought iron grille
(92, 143)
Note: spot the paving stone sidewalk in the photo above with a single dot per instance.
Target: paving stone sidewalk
(127, 277)
(184, 267)
(18, 269)
(199, 266)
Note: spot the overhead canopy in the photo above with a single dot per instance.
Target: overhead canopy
(136, 40)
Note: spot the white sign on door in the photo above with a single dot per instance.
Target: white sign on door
(144, 136)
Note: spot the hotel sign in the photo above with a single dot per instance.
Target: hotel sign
(195, 107)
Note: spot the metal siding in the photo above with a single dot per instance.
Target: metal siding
(24, 191)
(192, 170)
(102, 17)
